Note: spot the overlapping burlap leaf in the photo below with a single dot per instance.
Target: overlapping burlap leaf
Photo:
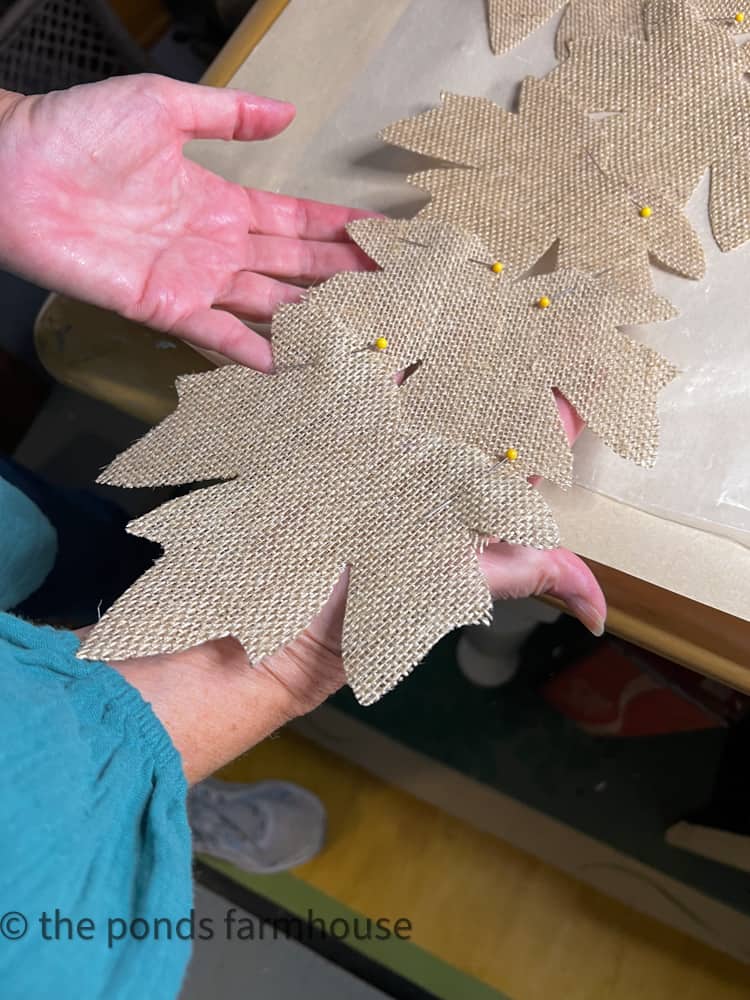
(429, 269)
(324, 477)
(489, 356)
(510, 21)
(583, 18)
(495, 391)
(524, 181)
(686, 103)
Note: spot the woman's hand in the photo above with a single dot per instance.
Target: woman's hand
(309, 669)
(100, 203)
(215, 706)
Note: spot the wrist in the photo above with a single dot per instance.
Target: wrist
(223, 665)
(216, 706)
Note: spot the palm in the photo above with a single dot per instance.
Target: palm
(120, 218)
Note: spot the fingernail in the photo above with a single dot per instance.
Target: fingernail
(278, 103)
(586, 614)
(258, 102)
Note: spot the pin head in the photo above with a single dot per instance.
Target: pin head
(381, 343)
(740, 17)
(544, 302)
(498, 267)
(511, 454)
(645, 212)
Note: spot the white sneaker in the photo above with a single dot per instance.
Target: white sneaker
(265, 827)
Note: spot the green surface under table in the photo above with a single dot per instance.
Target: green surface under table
(415, 965)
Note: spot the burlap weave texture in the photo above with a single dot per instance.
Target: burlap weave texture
(510, 21)
(491, 384)
(489, 357)
(524, 181)
(325, 476)
(683, 103)
(428, 270)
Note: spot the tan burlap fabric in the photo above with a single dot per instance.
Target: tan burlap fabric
(510, 21)
(325, 476)
(685, 101)
(583, 18)
(491, 385)
(489, 355)
(429, 269)
(523, 181)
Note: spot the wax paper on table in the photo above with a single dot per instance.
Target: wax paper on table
(702, 475)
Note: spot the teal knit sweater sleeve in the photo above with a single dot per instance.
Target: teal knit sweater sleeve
(95, 880)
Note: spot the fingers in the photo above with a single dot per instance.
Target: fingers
(516, 571)
(221, 332)
(256, 297)
(327, 626)
(572, 423)
(299, 218)
(219, 113)
(303, 260)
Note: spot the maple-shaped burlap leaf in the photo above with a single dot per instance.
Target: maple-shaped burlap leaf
(510, 21)
(684, 103)
(495, 391)
(489, 356)
(523, 181)
(322, 478)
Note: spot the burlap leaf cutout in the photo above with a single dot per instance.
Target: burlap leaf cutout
(684, 103)
(489, 355)
(523, 181)
(323, 476)
(510, 21)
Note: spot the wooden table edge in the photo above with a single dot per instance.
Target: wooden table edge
(692, 634)
(249, 32)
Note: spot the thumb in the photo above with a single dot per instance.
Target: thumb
(518, 571)
(218, 113)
